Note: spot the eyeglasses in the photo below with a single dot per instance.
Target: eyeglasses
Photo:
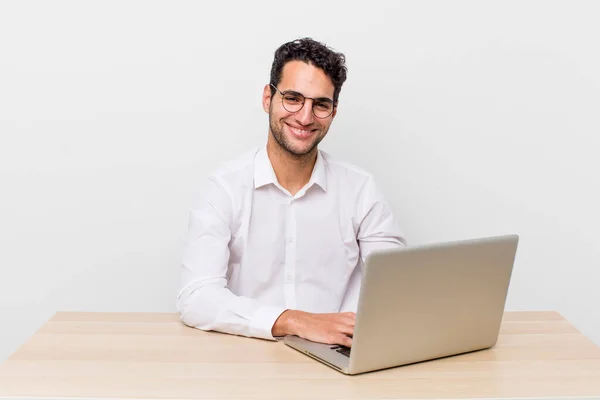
(322, 107)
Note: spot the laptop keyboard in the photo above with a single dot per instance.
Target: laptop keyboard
(342, 350)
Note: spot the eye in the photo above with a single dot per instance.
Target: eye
(323, 105)
(292, 98)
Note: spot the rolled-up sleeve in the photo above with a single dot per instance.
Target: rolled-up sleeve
(204, 301)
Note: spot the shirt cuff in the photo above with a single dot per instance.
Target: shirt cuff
(263, 321)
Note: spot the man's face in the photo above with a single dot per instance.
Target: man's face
(299, 132)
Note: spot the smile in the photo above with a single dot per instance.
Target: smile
(300, 133)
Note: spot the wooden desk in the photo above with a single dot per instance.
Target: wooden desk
(136, 355)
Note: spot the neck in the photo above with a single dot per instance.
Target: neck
(292, 171)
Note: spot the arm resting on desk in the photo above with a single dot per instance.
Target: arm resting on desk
(204, 301)
(211, 306)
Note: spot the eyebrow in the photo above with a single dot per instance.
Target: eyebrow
(316, 98)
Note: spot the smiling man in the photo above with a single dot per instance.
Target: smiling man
(278, 237)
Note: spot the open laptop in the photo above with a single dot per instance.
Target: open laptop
(424, 302)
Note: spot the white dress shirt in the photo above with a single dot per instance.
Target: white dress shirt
(254, 250)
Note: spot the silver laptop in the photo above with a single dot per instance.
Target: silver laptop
(424, 302)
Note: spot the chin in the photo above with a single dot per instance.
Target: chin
(301, 150)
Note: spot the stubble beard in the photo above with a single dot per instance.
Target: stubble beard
(285, 145)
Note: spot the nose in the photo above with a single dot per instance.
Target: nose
(305, 116)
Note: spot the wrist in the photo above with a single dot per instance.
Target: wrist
(285, 324)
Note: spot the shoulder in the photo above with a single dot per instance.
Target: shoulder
(345, 172)
(224, 184)
(235, 171)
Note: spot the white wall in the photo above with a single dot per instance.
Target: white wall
(478, 118)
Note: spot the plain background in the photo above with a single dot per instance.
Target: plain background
(477, 118)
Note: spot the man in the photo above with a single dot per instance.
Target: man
(277, 237)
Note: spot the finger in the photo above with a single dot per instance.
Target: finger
(347, 330)
(345, 341)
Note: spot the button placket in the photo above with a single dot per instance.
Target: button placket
(290, 257)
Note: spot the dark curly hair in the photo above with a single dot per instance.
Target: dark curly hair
(311, 52)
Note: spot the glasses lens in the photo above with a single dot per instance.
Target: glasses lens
(293, 102)
(322, 109)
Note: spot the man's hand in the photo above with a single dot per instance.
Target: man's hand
(336, 328)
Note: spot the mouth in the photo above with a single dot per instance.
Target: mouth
(301, 133)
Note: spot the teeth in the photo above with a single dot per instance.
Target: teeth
(299, 131)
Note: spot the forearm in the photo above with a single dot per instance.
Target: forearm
(213, 307)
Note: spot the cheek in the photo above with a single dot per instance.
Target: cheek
(324, 126)
(283, 116)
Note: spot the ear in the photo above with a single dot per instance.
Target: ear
(334, 113)
(266, 98)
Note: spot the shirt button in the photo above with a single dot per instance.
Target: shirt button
(289, 277)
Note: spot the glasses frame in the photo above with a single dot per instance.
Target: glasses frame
(334, 105)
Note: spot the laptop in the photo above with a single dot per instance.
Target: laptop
(422, 303)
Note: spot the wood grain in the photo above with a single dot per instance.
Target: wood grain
(153, 355)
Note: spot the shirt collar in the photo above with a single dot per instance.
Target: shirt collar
(264, 173)
(263, 170)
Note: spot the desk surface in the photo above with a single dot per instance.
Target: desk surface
(139, 355)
